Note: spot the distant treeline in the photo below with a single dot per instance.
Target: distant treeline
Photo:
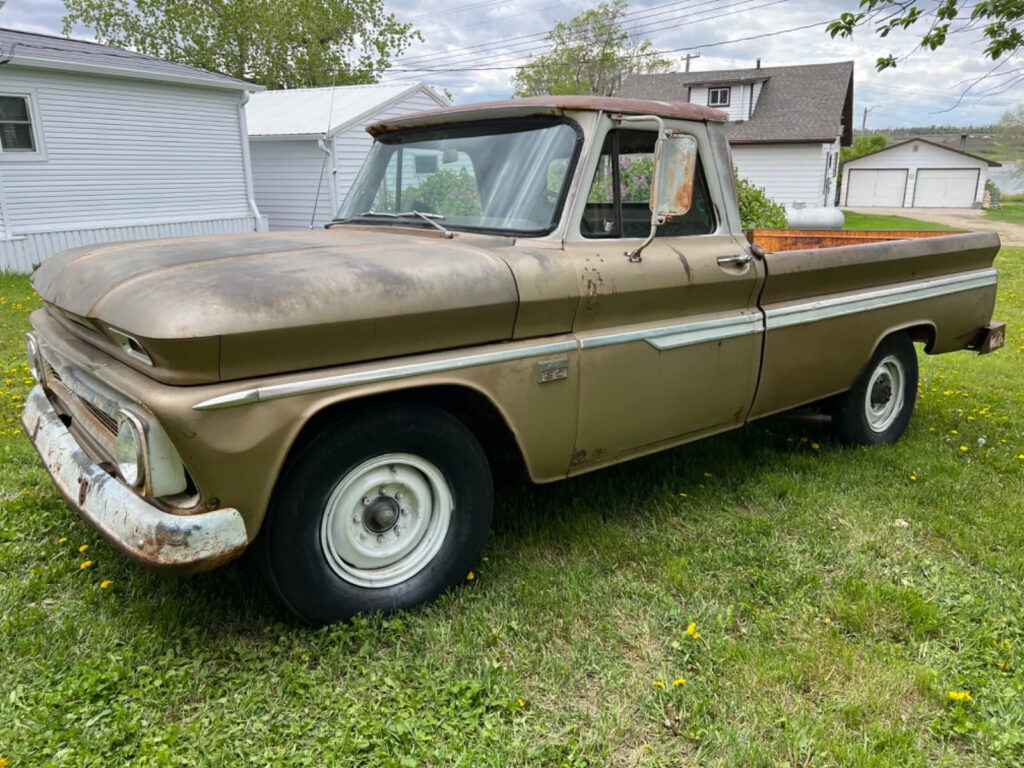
(939, 130)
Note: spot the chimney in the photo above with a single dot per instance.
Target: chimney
(758, 63)
(963, 142)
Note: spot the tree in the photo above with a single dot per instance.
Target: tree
(276, 43)
(589, 54)
(1000, 21)
(1012, 121)
(863, 145)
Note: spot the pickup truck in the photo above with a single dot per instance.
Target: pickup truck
(565, 273)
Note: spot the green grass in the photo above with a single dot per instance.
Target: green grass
(873, 221)
(1011, 211)
(838, 601)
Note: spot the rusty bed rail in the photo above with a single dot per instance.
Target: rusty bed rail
(774, 240)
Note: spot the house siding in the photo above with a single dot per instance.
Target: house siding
(290, 177)
(791, 174)
(925, 156)
(742, 99)
(121, 157)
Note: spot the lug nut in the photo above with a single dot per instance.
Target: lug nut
(366, 501)
(380, 539)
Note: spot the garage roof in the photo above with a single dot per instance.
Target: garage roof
(991, 163)
(308, 112)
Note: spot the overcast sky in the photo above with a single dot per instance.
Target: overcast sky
(923, 90)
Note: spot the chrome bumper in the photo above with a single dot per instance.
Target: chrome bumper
(184, 543)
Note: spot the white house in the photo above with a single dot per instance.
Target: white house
(307, 144)
(100, 144)
(916, 174)
(786, 124)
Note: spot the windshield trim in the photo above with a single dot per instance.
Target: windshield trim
(546, 120)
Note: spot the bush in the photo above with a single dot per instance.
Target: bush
(757, 210)
(447, 192)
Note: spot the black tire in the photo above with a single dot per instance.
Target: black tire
(300, 540)
(878, 408)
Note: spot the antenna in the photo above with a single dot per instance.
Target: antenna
(327, 153)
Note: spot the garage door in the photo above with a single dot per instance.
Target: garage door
(882, 188)
(946, 187)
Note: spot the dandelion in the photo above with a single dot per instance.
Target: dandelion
(658, 684)
(105, 583)
(692, 631)
(913, 478)
(953, 432)
(486, 559)
(520, 703)
(963, 449)
(682, 495)
(707, 474)
(83, 548)
(86, 564)
(1004, 666)
(815, 447)
(960, 696)
(470, 576)
(62, 540)
(678, 682)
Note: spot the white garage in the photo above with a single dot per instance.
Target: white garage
(915, 174)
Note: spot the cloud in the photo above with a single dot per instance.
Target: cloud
(478, 43)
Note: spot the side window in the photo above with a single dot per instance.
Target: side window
(618, 205)
(16, 130)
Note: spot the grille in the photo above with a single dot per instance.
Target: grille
(105, 419)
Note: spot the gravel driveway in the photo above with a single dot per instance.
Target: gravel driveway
(961, 218)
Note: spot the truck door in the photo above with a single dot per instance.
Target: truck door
(670, 344)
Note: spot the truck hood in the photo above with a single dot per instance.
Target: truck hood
(269, 303)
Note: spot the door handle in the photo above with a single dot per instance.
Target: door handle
(735, 261)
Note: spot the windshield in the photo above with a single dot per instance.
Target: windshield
(508, 176)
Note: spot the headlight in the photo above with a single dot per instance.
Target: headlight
(32, 357)
(129, 448)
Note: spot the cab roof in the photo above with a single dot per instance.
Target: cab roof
(548, 105)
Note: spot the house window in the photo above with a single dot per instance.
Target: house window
(16, 132)
(426, 163)
(719, 97)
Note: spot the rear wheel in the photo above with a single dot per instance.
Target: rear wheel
(382, 511)
(878, 407)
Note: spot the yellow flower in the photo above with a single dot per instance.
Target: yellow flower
(86, 564)
(913, 478)
(62, 539)
(645, 747)
(815, 446)
(682, 495)
(1004, 666)
(658, 684)
(470, 576)
(1021, 457)
(3, 763)
(707, 474)
(487, 559)
(83, 548)
(963, 448)
(692, 631)
(520, 703)
(960, 696)
(105, 583)
(679, 681)
(953, 432)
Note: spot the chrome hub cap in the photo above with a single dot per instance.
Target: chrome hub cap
(885, 394)
(386, 520)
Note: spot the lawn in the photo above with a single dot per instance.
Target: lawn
(874, 221)
(1011, 211)
(849, 607)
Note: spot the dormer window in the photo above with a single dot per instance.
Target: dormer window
(719, 97)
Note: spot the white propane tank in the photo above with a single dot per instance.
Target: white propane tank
(814, 218)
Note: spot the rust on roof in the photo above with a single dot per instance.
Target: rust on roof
(549, 105)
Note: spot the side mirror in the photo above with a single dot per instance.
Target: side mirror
(675, 162)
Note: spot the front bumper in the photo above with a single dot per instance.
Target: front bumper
(178, 543)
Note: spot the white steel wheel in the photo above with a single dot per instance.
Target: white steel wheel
(885, 394)
(385, 520)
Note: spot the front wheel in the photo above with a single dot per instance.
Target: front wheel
(382, 511)
(878, 407)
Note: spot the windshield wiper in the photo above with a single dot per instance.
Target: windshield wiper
(430, 218)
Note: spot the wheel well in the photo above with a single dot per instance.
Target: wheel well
(922, 334)
(467, 405)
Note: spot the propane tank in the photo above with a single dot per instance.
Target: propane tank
(800, 217)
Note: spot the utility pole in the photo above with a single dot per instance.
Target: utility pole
(688, 57)
(864, 122)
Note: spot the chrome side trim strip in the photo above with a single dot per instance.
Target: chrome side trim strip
(884, 297)
(341, 381)
(682, 335)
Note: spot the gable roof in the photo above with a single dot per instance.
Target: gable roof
(31, 49)
(305, 112)
(991, 163)
(803, 103)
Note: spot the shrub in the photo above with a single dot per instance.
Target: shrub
(757, 210)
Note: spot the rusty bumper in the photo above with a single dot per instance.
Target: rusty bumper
(177, 543)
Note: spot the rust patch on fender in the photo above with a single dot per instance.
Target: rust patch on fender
(83, 489)
(578, 457)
